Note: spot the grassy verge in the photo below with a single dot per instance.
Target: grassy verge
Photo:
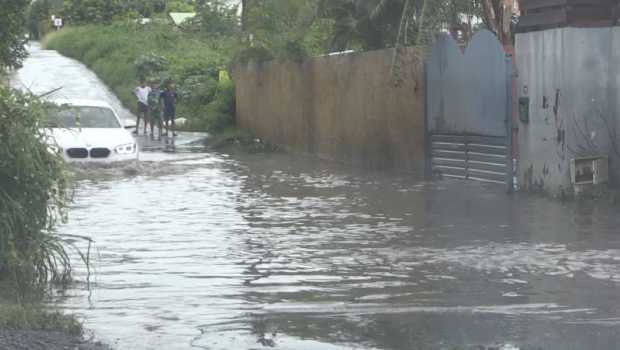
(121, 53)
(39, 318)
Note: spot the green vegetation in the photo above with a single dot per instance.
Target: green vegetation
(33, 194)
(39, 16)
(288, 29)
(337, 25)
(233, 138)
(12, 22)
(37, 317)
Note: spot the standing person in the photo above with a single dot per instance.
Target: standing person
(155, 108)
(142, 93)
(170, 97)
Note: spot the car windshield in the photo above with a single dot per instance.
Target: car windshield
(81, 116)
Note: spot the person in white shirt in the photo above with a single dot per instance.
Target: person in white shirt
(142, 93)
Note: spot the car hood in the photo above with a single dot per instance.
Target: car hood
(90, 137)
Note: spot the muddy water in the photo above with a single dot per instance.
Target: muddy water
(202, 250)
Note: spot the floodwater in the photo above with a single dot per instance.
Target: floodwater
(203, 250)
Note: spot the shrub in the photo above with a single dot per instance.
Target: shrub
(12, 23)
(33, 195)
(216, 18)
(37, 317)
(95, 11)
(149, 65)
(256, 54)
(198, 90)
(219, 113)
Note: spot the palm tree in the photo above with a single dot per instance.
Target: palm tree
(371, 24)
(376, 24)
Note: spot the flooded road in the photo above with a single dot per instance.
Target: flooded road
(204, 250)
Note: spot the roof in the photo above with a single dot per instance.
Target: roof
(180, 17)
(545, 14)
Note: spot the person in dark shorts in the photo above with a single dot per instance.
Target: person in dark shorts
(142, 94)
(169, 97)
(155, 108)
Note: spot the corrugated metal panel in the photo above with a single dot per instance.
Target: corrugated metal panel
(470, 157)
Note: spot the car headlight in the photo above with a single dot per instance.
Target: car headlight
(129, 148)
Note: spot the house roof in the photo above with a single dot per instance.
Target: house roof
(180, 17)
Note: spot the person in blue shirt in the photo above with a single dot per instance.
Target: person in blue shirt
(169, 98)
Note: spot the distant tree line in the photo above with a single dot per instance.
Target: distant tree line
(78, 12)
(325, 25)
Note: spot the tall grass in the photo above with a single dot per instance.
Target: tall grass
(194, 63)
(33, 195)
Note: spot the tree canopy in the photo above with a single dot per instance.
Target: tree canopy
(215, 17)
(373, 24)
(12, 40)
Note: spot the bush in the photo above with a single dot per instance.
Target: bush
(218, 114)
(256, 54)
(216, 18)
(149, 65)
(33, 195)
(37, 317)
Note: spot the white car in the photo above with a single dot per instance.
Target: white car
(89, 131)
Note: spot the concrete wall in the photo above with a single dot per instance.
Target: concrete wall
(343, 107)
(580, 66)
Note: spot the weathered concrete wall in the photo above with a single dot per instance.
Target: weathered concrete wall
(571, 77)
(343, 107)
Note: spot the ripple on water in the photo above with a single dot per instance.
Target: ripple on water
(198, 252)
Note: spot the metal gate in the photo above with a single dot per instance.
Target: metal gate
(468, 105)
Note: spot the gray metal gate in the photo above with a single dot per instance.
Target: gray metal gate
(468, 105)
